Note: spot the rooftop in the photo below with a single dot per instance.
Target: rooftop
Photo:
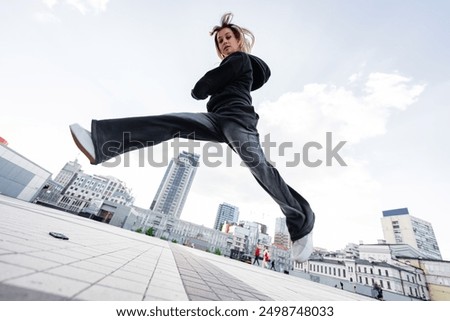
(100, 262)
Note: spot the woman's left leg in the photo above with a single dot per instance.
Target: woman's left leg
(242, 136)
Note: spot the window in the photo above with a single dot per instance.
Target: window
(388, 285)
(386, 272)
(379, 271)
(381, 283)
(367, 280)
(343, 273)
(359, 269)
(371, 271)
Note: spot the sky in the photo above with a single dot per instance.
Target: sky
(374, 75)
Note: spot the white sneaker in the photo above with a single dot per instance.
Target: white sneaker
(302, 248)
(84, 142)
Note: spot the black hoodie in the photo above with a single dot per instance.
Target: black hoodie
(230, 83)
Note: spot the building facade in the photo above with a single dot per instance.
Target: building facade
(19, 177)
(401, 228)
(396, 268)
(226, 213)
(437, 276)
(77, 192)
(281, 236)
(174, 188)
(175, 230)
(68, 172)
(397, 280)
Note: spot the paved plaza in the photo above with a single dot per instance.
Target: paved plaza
(101, 262)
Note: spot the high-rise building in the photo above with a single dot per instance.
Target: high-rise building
(281, 236)
(175, 186)
(226, 212)
(401, 228)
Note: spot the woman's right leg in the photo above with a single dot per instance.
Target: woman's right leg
(113, 137)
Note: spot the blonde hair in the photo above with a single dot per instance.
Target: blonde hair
(244, 36)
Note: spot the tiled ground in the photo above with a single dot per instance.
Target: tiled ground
(204, 281)
(100, 262)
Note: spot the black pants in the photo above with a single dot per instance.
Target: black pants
(235, 126)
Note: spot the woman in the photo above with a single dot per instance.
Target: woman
(266, 258)
(230, 119)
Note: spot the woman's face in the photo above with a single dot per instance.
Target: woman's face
(227, 42)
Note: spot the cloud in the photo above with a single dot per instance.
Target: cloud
(83, 6)
(50, 3)
(354, 113)
(45, 17)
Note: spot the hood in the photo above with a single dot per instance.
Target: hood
(261, 72)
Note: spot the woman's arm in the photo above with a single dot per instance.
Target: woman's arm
(217, 78)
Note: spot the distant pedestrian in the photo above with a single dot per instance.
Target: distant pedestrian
(266, 258)
(257, 254)
(377, 292)
(342, 286)
(272, 266)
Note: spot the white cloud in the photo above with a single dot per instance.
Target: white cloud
(50, 3)
(322, 108)
(45, 17)
(83, 6)
(391, 90)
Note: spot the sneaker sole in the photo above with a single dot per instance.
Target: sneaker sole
(82, 149)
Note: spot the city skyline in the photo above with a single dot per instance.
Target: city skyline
(81, 193)
(229, 212)
(373, 74)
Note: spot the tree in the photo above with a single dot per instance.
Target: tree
(217, 251)
(150, 231)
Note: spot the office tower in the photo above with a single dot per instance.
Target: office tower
(175, 186)
(226, 212)
(281, 236)
(401, 228)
